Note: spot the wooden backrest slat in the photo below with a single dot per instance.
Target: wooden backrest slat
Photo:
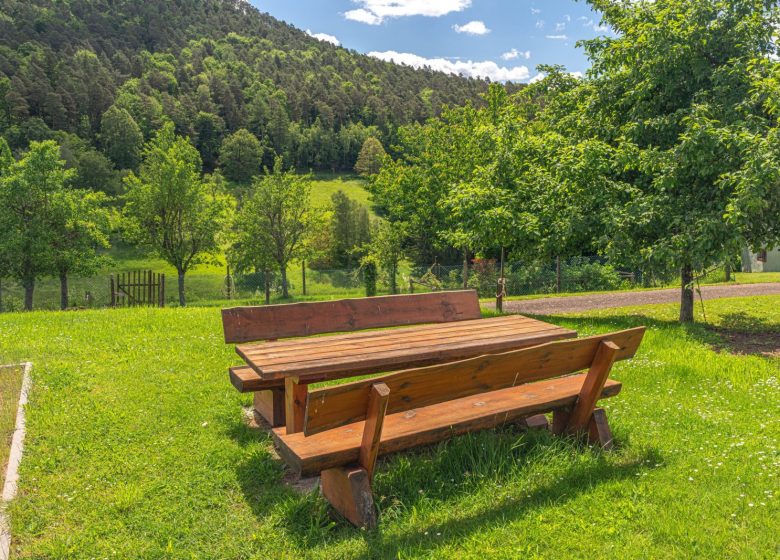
(340, 405)
(249, 324)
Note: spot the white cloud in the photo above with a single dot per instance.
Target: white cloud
(469, 68)
(324, 37)
(363, 16)
(374, 12)
(540, 24)
(514, 53)
(560, 26)
(536, 11)
(472, 28)
(558, 37)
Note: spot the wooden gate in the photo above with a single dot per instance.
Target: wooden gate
(138, 288)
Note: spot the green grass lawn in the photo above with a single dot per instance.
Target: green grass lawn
(10, 386)
(136, 448)
(324, 186)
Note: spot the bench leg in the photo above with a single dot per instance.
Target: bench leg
(270, 406)
(598, 430)
(348, 489)
(560, 420)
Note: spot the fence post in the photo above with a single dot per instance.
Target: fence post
(113, 291)
(500, 292)
(162, 290)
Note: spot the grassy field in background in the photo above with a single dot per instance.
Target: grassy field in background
(137, 448)
(10, 386)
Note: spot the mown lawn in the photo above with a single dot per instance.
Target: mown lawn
(136, 448)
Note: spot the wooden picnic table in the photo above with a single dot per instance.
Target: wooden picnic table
(311, 360)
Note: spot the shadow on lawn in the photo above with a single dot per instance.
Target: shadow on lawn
(431, 477)
(738, 333)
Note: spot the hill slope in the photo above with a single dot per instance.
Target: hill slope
(211, 66)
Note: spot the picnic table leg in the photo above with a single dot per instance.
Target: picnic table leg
(270, 406)
(295, 394)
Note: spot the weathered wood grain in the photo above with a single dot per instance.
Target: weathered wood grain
(349, 492)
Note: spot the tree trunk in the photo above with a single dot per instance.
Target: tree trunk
(558, 275)
(182, 301)
(728, 272)
(303, 276)
(63, 290)
(267, 280)
(686, 295)
(285, 288)
(29, 288)
(1, 295)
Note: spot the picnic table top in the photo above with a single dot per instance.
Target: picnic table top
(377, 351)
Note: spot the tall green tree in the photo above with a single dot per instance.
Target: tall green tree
(241, 156)
(28, 192)
(81, 226)
(171, 210)
(121, 138)
(350, 229)
(278, 217)
(670, 90)
(371, 157)
(386, 250)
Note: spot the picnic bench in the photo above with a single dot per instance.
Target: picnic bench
(346, 427)
(448, 326)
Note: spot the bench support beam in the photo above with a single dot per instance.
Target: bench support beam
(349, 492)
(372, 432)
(599, 432)
(295, 394)
(592, 387)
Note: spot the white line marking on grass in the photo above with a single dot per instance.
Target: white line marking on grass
(15, 457)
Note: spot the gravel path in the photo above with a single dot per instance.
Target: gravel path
(576, 304)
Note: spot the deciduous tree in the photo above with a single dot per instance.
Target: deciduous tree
(171, 209)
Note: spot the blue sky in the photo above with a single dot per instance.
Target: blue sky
(501, 39)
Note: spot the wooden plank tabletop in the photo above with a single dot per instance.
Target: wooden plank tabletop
(348, 355)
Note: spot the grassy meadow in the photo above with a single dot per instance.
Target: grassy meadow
(137, 447)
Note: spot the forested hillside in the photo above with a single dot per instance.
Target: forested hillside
(100, 76)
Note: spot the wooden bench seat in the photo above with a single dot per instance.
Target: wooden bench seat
(346, 427)
(431, 424)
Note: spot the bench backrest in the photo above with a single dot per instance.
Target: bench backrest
(270, 322)
(332, 407)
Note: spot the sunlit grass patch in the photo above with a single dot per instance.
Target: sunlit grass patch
(137, 449)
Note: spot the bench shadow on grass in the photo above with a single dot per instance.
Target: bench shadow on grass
(435, 476)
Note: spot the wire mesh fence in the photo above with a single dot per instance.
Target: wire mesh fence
(580, 274)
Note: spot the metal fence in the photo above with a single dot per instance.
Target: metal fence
(580, 274)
